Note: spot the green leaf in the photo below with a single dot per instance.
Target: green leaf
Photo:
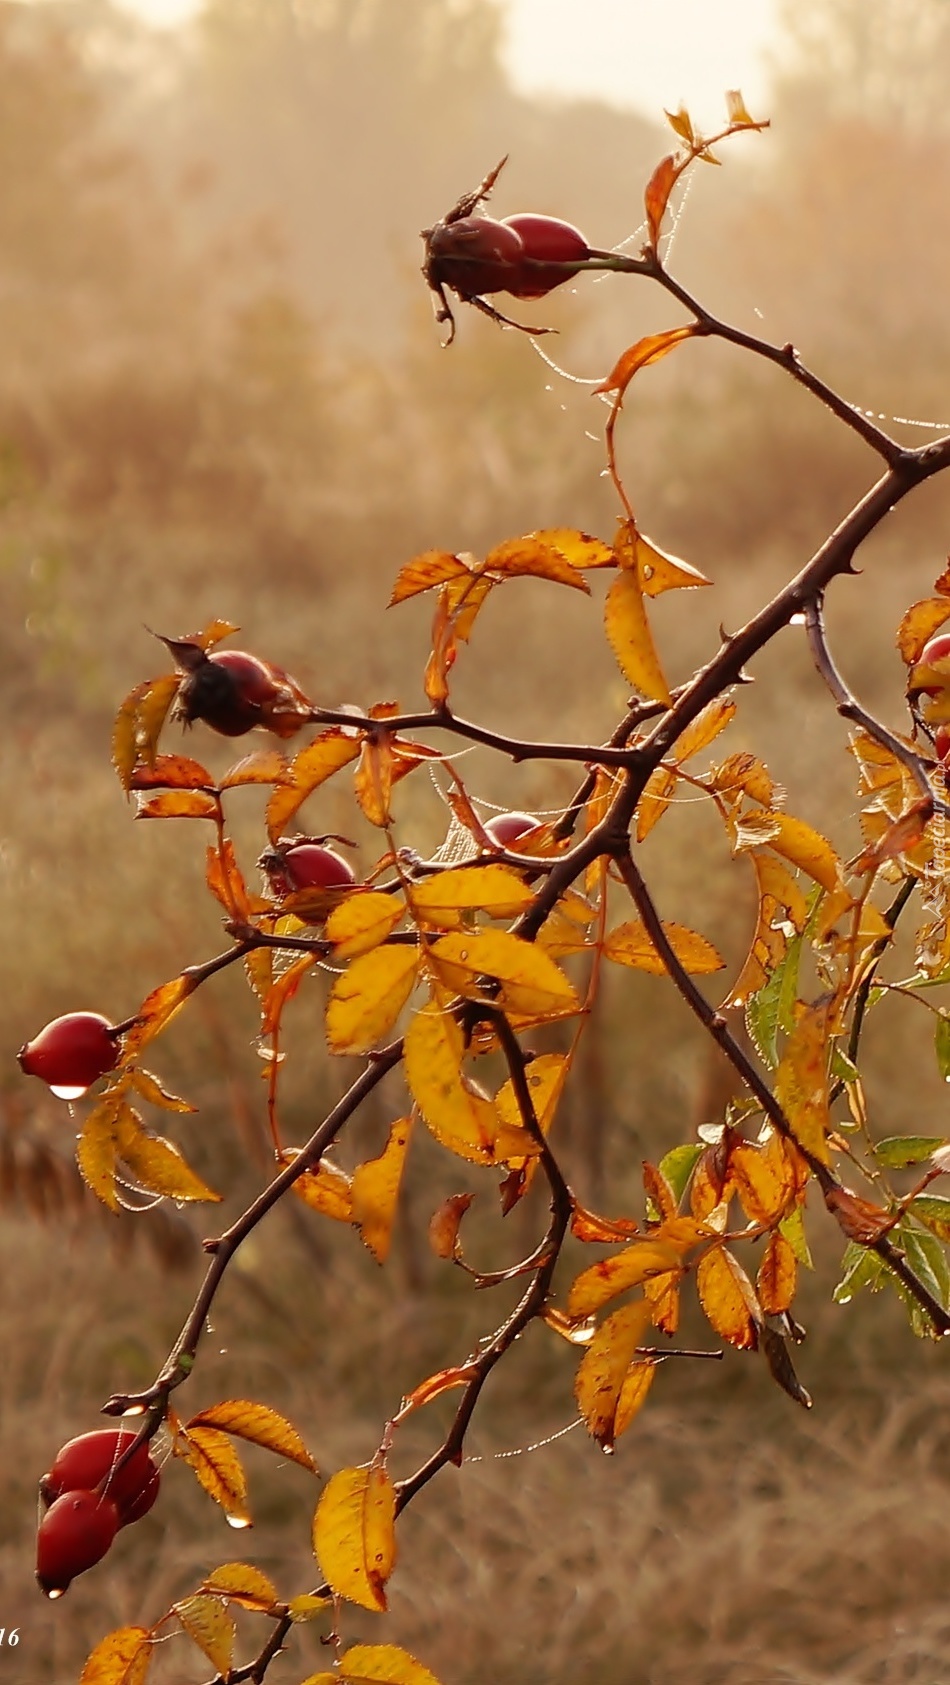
(900, 1150)
(844, 1068)
(927, 1259)
(942, 1046)
(793, 1229)
(772, 1008)
(677, 1166)
(860, 1268)
(934, 1212)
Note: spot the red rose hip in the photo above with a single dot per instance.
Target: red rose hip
(473, 255)
(74, 1535)
(88, 1461)
(548, 243)
(71, 1052)
(505, 828)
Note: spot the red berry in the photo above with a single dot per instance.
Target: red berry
(234, 691)
(942, 743)
(545, 240)
(71, 1053)
(88, 1462)
(505, 829)
(74, 1535)
(316, 877)
(473, 255)
(937, 649)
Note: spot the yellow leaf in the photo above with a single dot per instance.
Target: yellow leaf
(659, 572)
(259, 1424)
(603, 1281)
(368, 998)
(459, 1116)
(305, 1608)
(121, 1658)
(151, 1090)
(918, 626)
(534, 555)
(354, 1536)
(728, 1298)
(218, 1467)
(581, 550)
(139, 722)
(375, 1190)
(629, 944)
(327, 1189)
(283, 990)
(657, 794)
(179, 804)
(362, 922)
(322, 1679)
(704, 729)
(384, 1663)
(264, 766)
(244, 1585)
(209, 1625)
(157, 1164)
(433, 567)
(496, 890)
(521, 979)
(639, 356)
(764, 1191)
(802, 846)
(310, 768)
(628, 632)
(98, 1146)
(604, 1366)
(801, 1081)
(155, 1014)
(745, 775)
(546, 1076)
(637, 1383)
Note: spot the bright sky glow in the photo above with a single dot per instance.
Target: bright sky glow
(643, 53)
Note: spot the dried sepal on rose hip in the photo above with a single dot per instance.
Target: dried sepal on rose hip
(526, 255)
(234, 691)
(306, 876)
(71, 1053)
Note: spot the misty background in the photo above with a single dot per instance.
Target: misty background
(222, 393)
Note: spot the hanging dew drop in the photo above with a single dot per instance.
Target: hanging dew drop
(238, 1522)
(56, 1592)
(67, 1093)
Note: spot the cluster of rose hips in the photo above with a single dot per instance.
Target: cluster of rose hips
(89, 1498)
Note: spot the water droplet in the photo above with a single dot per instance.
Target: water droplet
(56, 1592)
(238, 1522)
(267, 1053)
(845, 1299)
(135, 1410)
(67, 1093)
(608, 1450)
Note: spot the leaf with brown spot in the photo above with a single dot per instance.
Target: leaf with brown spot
(354, 1536)
(603, 1281)
(580, 549)
(589, 1226)
(375, 1190)
(659, 572)
(604, 1367)
(728, 1298)
(444, 1225)
(515, 975)
(858, 1218)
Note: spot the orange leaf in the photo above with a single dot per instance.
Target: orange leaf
(121, 1658)
(179, 804)
(310, 767)
(241, 1584)
(607, 1278)
(589, 1226)
(211, 1455)
(657, 195)
(534, 555)
(763, 1193)
(801, 1080)
(433, 567)
(139, 723)
(633, 1394)
(444, 1225)
(226, 880)
(328, 1189)
(728, 1298)
(171, 772)
(629, 944)
(264, 766)
(604, 1366)
(444, 1380)
(639, 356)
(918, 626)
(776, 1280)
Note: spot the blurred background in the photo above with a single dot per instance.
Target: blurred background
(222, 394)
